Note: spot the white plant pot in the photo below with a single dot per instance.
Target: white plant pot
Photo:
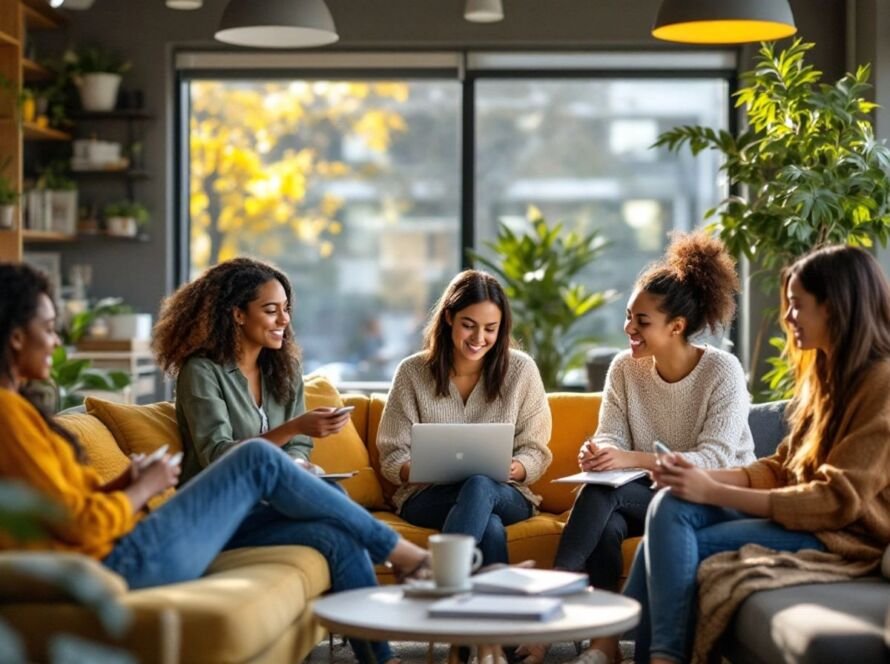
(121, 226)
(129, 326)
(98, 92)
(7, 217)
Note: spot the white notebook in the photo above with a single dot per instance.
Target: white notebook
(614, 478)
(522, 581)
(497, 607)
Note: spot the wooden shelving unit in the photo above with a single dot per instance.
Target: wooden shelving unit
(34, 132)
(46, 236)
(16, 18)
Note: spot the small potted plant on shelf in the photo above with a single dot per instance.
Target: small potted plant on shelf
(96, 73)
(52, 206)
(8, 198)
(125, 218)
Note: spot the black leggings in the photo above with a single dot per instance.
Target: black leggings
(601, 519)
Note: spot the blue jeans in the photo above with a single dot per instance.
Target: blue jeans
(679, 535)
(255, 496)
(601, 519)
(478, 506)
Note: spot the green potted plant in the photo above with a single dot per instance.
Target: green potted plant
(96, 73)
(538, 269)
(125, 218)
(9, 196)
(808, 169)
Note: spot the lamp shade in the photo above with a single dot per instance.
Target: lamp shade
(484, 11)
(277, 24)
(723, 21)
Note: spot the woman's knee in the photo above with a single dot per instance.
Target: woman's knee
(478, 485)
(667, 508)
(255, 450)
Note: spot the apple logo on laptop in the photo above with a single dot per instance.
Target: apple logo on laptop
(459, 456)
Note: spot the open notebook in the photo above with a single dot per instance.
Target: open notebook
(613, 478)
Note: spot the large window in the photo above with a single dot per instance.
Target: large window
(356, 184)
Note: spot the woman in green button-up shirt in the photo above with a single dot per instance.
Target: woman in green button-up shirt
(227, 338)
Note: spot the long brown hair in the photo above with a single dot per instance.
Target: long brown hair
(20, 289)
(849, 282)
(197, 320)
(466, 289)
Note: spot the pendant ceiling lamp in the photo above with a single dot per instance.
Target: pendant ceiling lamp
(723, 21)
(484, 11)
(277, 24)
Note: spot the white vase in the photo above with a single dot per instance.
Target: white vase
(98, 92)
(7, 217)
(129, 326)
(121, 226)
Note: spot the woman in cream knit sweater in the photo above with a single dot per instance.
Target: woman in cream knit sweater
(826, 488)
(467, 372)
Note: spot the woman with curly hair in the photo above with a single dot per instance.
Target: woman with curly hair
(255, 495)
(227, 338)
(689, 396)
(826, 489)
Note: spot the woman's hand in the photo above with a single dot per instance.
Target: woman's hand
(320, 422)
(595, 457)
(152, 480)
(685, 480)
(517, 471)
(405, 472)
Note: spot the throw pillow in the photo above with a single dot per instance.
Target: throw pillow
(343, 451)
(138, 429)
(103, 453)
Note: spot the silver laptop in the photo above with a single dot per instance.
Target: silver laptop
(444, 453)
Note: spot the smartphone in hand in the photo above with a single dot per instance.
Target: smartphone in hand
(661, 449)
(157, 455)
(337, 412)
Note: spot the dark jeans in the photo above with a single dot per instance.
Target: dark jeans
(478, 506)
(256, 496)
(601, 519)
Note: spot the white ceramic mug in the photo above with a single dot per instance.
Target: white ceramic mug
(454, 558)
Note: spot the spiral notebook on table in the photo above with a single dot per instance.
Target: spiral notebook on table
(498, 607)
(613, 478)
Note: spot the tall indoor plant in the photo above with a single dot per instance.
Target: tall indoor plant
(538, 270)
(806, 171)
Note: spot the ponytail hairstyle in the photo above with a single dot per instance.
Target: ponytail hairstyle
(197, 320)
(466, 289)
(20, 289)
(849, 282)
(696, 280)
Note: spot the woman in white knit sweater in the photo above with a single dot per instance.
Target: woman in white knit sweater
(693, 398)
(467, 372)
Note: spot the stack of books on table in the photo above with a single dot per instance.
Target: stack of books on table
(495, 595)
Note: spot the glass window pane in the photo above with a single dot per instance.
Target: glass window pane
(579, 150)
(351, 187)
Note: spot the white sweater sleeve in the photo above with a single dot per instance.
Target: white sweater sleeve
(613, 426)
(717, 446)
(394, 435)
(533, 427)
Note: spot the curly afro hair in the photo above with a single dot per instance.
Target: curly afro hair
(197, 320)
(697, 280)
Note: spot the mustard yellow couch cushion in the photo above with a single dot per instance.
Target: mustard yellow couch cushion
(343, 451)
(138, 429)
(102, 450)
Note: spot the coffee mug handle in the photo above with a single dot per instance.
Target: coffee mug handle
(477, 559)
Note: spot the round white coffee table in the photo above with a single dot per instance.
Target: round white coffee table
(385, 614)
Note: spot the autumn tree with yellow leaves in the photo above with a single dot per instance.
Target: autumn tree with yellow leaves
(260, 151)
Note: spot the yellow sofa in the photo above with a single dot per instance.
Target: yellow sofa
(253, 605)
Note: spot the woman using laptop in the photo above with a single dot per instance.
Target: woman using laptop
(467, 373)
(227, 338)
(255, 495)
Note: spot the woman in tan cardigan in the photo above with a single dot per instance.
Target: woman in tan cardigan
(467, 372)
(826, 488)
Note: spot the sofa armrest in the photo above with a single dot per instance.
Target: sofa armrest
(39, 576)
